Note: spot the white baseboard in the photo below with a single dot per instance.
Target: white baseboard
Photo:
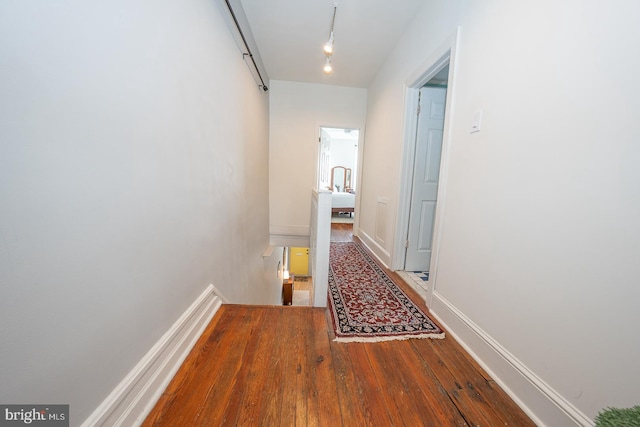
(219, 295)
(132, 400)
(381, 254)
(543, 404)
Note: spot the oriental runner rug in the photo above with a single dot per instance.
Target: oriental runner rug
(365, 304)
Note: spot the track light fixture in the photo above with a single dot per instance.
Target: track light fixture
(328, 46)
(327, 66)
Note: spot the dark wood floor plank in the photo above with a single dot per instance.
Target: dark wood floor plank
(210, 339)
(372, 395)
(485, 404)
(189, 390)
(176, 390)
(302, 387)
(257, 362)
(325, 409)
(468, 403)
(462, 371)
(498, 406)
(252, 365)
(431, 399)
(275, 373)
(341, 232)
(400, 398)
(293, 385)
(464, 358)
(431, 360)
(221, 390)
(310, 367)
(348, 393)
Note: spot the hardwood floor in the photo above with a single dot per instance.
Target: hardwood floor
(341, 232)
(279, 366)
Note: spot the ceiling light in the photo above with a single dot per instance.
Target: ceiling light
(328, 47)
(327, 66)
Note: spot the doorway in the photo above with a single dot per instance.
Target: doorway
(297, 283)
(442, 64)
(338, 170)
(426, 173)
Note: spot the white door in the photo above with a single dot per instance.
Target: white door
(424, 193)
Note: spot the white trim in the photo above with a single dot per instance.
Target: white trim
(267, 252)
(380, 253)
(359, 175)
(320, 243)
(285, 240)
(219, 295)
(544, 405)
(132, 400)
(289, 235)
(381, 220)
(290, 230)
(406, 178)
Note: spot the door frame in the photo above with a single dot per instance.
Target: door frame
(359, 165)
(445, 54)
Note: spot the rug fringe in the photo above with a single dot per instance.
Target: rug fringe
(440, 336)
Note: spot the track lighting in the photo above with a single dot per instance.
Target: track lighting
(327, 66)
(328, 46)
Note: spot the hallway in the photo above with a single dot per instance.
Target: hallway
(341, 232)
(276, 365)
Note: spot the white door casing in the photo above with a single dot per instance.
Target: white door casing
(324, 159)
(425, 178)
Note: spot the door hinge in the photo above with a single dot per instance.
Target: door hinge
(406, 243)
(418, 113)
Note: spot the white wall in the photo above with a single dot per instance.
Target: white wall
(297, 111)
(540, 240)
(344, 152)
(133, 173)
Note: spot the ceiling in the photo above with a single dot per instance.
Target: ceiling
(290, 35)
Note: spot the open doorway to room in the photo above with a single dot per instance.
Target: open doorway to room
(422, 196)
(426, 173)
(425, 181)
(337, 171)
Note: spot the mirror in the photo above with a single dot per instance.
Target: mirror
(341, 179)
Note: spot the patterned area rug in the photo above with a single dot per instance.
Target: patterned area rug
(366, 305)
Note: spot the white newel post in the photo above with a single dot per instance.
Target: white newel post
(319, 240)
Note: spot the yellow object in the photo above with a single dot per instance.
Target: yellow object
(299, 261)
